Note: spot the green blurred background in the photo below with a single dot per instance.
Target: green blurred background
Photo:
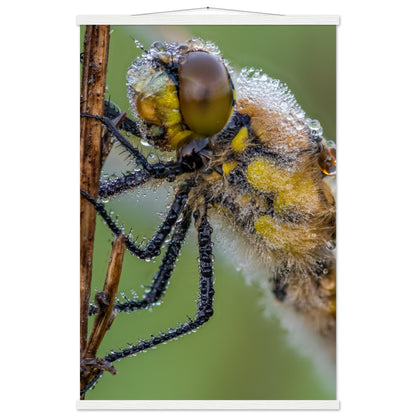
(240, 354)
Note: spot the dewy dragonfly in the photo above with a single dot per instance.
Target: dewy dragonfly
(247, 157)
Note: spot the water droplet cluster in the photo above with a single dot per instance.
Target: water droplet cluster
(257, 90)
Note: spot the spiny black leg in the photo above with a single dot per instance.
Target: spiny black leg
(91, 384)
(127, 124)
(141, 160)
(156, 170)
(161, 279)
(205, 301)
(153, 247)
(118, 185)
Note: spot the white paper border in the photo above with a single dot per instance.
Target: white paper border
(207, 16)
(208, 404)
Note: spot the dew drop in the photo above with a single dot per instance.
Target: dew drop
(331, 245)
(144, 143)
(138, 44)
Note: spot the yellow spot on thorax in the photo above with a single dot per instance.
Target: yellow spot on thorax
(214, 176)
(180, 138)
(240, 141)
(293, 238)
(291, 189)
(228, 167)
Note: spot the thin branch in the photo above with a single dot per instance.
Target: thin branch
(91, 366)
(95, 57)
(105, 299)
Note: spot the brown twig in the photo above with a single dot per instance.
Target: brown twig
(94, 149)
(105, 300)
(95, 57)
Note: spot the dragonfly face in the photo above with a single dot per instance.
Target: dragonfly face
(180, 92)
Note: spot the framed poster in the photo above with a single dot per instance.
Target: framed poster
(209, 122)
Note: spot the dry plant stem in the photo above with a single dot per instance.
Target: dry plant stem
(106, 298)
(96, 44)
(90, 366)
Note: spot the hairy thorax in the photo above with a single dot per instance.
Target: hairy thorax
(265, 182)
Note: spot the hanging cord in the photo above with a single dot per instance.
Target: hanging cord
(206, 8)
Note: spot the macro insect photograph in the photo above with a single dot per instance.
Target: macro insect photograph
(217, 188)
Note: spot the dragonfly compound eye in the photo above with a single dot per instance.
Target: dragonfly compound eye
(205, 93)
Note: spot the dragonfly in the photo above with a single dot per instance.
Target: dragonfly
(247, 161)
